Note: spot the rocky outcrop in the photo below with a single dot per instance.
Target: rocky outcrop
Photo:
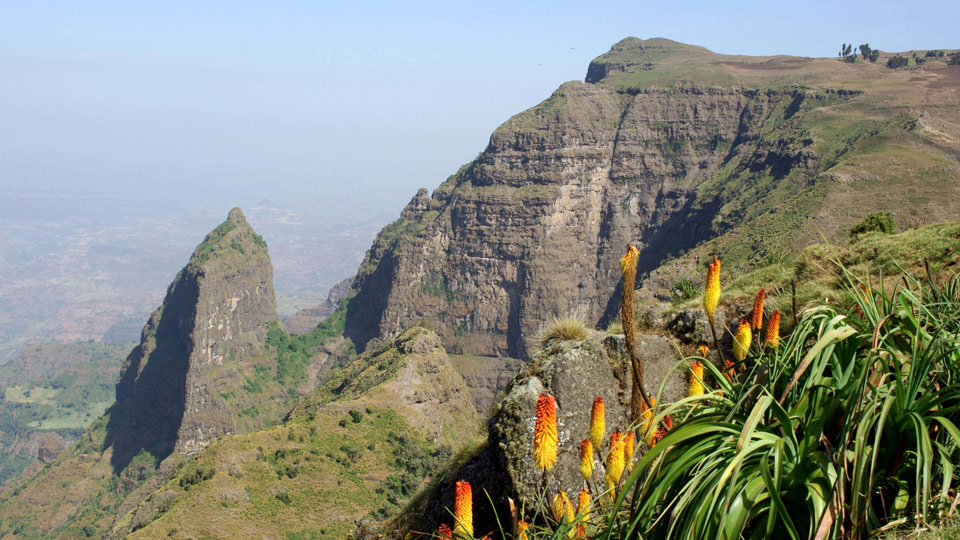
(411, 374)
(215, 316)
(533, 228)
(574, 372)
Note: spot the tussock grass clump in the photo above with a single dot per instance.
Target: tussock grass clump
(614, 328)
(564, 329)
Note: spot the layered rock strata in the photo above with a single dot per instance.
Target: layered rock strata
(533, 228)
(215, 315)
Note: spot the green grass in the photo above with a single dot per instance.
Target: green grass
(73, 420)
(950, 530)
(35, 394)
(300, 478)
(819, 279)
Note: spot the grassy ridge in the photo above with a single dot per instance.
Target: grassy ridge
(820, 280)
(310, 478)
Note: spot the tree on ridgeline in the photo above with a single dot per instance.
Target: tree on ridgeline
(897, 62)
(848, 53)
(869, 53)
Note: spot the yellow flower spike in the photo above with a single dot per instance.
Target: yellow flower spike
(627, 441)
(772, 338)
(522, 527)
(703, 351)
(742, 340)
(563, 509)
(711, 294)
(597, 424)
(756, 317)
(615, 461)
(545, 433)
(463, 509)
(586, 459)
(695, 380)
(649, 431)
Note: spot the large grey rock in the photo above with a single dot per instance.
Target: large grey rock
(693, 326)
(574, 372)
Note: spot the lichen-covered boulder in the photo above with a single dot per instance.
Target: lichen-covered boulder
(574, 372)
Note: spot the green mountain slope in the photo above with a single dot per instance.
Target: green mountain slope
(358, 447)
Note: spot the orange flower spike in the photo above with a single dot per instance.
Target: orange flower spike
(586, 459)
(583, 505)
(703, 350)
(695, 380)
(522, 527)
(772, 338)
(756, 318)
(711, 294)
(729, 369)
(545, 433)
(742, 340)
(597, 424)
(583, 512)
(615, 461)
(463, 509)
(444, 532)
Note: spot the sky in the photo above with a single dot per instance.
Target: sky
(313, 104)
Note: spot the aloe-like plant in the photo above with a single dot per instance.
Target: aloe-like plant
(846, 429)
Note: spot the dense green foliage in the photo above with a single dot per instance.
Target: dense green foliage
(848, 428)
(878, 222)
(295, 350)
(898, 61)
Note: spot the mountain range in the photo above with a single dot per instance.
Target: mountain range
(226, 423)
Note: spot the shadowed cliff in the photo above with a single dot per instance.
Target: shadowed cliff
(215, 313)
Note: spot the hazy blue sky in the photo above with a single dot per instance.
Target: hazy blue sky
(230, 102)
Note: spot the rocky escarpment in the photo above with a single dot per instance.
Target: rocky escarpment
(533, 228)
(214, 317)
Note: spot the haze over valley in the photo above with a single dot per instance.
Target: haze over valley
(299, 271)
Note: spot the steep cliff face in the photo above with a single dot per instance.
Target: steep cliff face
(214, 317)
(534, 226)
(664, 146)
